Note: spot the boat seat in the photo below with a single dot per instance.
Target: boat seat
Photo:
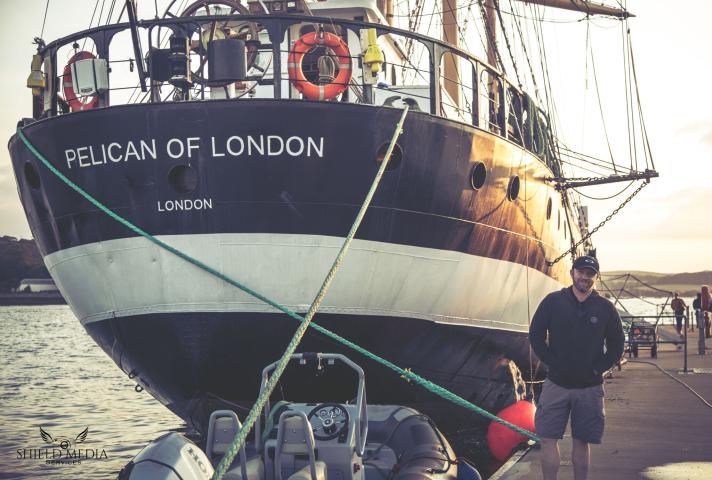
(222, 428)
(305, 473)
(378, 461)
(255, 470)
(295, 440)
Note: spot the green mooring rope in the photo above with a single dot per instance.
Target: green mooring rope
(306, 320)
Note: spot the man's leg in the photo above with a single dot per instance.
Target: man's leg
(580, 457)
(550, 458)
(552, 414)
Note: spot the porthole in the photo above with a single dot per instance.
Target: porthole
(183, 178)
(31, 176)
(548, 208)
(478, 175)
(396, 156)
(513, 188)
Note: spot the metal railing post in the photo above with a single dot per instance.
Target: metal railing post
(701, 331)
(687, 321)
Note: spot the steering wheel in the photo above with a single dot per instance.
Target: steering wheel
(328, 420)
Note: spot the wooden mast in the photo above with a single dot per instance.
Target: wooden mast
(450, 73)
(491, 33)
(583, 6)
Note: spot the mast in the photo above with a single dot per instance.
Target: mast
(491, 33)
(451, 74)
(583, 6)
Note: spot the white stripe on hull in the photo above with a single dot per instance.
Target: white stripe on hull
(133, 276)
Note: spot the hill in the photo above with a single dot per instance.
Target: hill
(19, 259)
(647, 284)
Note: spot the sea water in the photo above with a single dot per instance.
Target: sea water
(54, 377)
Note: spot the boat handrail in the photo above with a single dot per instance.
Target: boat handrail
(330, 358)
(486, 99)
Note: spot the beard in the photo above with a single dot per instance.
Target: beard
(583, 285)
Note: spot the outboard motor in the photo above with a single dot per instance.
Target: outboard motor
(169, 457)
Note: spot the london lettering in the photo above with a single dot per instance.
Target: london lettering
(185, 204)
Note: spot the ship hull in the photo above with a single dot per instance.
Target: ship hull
(442, 278)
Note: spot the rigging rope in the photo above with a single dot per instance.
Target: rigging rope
(491, 37)
(600, 105)
(590, 197)
(526, 55)
(506, 42)
(96, 5)
(644, 132)
(44, 20)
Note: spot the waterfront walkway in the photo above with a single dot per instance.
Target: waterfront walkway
(655, 427)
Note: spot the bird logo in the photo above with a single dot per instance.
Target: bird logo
(65, 443)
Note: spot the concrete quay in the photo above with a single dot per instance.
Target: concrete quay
(656, 428)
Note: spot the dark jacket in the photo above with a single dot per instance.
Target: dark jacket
(569, 337)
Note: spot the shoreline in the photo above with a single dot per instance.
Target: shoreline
(9, 299)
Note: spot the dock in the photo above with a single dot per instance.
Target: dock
(656, 428)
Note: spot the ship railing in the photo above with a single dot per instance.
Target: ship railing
(475, 94)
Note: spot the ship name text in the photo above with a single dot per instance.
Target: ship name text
(234, 146)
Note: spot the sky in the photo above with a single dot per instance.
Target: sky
(666, 228)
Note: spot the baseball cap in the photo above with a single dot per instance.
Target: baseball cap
(586, 261)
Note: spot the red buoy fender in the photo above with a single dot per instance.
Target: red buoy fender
(501, 439)
(296, 75)
(76, 104)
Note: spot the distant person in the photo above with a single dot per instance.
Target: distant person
(678, 306)
(702, 310)
(706, 306)
(568, 333)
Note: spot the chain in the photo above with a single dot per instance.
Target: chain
(560, 181)
(589, 234)
(575, 179)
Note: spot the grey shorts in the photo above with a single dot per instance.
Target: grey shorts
(584, 405)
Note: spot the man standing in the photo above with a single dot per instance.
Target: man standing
(568, 333)
(678, 306)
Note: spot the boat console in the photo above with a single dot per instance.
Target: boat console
(310, 441)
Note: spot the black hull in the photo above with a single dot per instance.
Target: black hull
(199, 362)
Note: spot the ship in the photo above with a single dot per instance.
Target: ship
(246, 135)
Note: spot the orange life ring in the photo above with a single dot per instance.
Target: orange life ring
(76, 104)
(296, 75)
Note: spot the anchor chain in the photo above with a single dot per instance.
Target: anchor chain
(589, 234)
